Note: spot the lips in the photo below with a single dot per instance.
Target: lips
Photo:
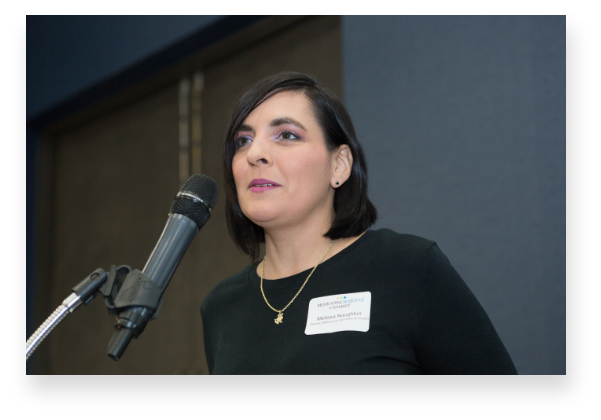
(262, 184)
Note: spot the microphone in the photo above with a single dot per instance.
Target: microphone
(139, 298)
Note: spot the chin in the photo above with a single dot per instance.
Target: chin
(260, 216)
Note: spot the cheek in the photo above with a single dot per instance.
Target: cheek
(239, 170)
(312, 172)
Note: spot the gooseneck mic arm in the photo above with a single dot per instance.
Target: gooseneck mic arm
(84, 292)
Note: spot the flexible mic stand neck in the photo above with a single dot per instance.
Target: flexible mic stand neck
(83, 293)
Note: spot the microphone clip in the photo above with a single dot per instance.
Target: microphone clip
(137, 301)
(111, 288)
(138, 290)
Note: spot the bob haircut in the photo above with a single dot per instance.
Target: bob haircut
(354, 211)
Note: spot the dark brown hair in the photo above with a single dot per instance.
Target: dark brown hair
(354, 211)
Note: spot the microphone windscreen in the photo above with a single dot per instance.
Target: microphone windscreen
(201, 187)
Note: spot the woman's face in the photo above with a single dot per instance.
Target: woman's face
(282, 168)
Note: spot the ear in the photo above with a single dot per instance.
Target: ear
(342, 165)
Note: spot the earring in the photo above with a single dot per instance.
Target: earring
(337, 182)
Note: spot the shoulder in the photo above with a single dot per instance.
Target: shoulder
(403, 240)
(391, 255)
(387, 242)
(421, 253)
(420, 261)
(227, 290)
(419, 256)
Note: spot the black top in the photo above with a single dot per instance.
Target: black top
(424, 318)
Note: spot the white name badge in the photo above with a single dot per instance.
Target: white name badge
(344, 312)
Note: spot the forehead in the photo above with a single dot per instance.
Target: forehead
(283, 104)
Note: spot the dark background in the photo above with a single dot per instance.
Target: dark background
(462, 120)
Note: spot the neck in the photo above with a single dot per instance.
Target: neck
(295, 249)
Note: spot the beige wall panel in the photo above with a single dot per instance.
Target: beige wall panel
(115, 178)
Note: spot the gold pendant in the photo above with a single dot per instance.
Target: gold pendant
(280, 318)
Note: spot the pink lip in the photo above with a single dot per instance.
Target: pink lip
(260, 181)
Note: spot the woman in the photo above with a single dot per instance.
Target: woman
(330, 296)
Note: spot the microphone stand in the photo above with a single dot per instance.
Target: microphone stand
(133, 295)
(84, 292)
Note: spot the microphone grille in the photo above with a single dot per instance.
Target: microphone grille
(200, 186)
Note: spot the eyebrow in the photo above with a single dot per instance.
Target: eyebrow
(275, 123)
(286, 120)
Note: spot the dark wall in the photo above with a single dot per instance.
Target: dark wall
(66, 54)
(463, 120)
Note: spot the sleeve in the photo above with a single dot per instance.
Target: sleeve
(455, 337)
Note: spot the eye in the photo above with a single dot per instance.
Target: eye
(288, 135)
(242, 141)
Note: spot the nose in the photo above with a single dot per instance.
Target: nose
(258, 152)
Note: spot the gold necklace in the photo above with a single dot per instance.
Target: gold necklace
(280, 312)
